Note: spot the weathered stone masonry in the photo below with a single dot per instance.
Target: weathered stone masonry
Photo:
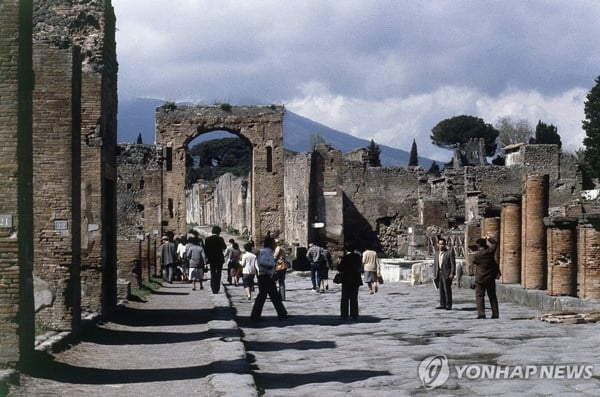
(56, 188)
(138, 188)
(16, 208)
(90, 24)
(260, 126)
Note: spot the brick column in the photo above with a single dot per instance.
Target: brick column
(490, 226)
(510, 240)
(56, 189)
(16, 176)
(535, 208)
(562, 263)
(588, 254)
(472, 233)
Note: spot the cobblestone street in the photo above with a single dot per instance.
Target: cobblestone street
(183, 342)
(316, 353)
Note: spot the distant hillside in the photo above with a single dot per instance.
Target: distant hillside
(137, 116)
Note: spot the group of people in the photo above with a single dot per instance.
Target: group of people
(482, 255)
(270, 264)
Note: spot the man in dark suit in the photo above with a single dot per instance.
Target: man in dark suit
(214, 246)
(486, 273)
(444, 272)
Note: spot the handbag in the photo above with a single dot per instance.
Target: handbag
(337, 279)
(379, 279)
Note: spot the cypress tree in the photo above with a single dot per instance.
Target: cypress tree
(591, 125)
(414, 157)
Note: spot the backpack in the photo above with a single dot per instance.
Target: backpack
(265, 258)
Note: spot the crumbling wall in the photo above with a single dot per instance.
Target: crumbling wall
(373, 193)
(296, 197)
(326, 198)
(90, 24)
(139, 171)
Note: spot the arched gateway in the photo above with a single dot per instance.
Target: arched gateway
(261, 126)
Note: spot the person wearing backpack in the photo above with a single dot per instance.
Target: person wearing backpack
(266, 284)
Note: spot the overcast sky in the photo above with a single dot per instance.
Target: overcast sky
(382, 70)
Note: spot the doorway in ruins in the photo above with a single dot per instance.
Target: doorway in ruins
(218, 165)
(260, 127)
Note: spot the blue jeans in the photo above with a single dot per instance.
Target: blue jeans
(315, 275)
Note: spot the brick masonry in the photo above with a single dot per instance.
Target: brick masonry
(56, 188)
(16, 208)
(562, 256)
(260, 126)
(510, 240)
(588, 252)
(533, 252)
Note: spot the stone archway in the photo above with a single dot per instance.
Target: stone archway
(261, 126)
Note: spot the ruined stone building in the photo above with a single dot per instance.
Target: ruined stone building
(59, 59)
(65, 183)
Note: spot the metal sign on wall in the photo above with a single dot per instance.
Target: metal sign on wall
(6, 221)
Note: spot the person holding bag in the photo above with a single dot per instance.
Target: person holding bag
(281, 267)
(266, 285)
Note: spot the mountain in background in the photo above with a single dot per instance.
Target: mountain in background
(137, 116)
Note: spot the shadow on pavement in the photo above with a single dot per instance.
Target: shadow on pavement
(155, 317)
(277, 381)
(169, 293)
(47, 368)
(104, 336)
(300, 345)
(273, 321)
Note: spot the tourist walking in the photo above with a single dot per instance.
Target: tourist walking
(197, 259)
(486, 273)
(281, 267)
(214, 245)
(235, 270)
(266, 285)
(372, 268)
(182, 261)
(444, 271)
(350, 268)
(168, 258)
(326, 263)
(227, 255)
(314, 255)
(249, 269)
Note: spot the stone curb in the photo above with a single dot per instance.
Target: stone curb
(236, 378)
(539, 299)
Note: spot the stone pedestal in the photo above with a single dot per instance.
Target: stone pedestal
(562, 263)
(510, 240)
(535, 208)
(588, 254)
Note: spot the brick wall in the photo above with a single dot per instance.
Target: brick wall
(296, 190)
(16, 240)
(56, 188)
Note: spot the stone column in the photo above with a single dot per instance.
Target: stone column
(562, 263)
(490, 226)
(588, 254)
(472, 233)
(535, 208)
(510, 240)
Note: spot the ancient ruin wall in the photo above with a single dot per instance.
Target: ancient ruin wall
(16, 217)
(138, 208)
(588, 252)
(232, 203)
(510, 240)
(260, 126)
(562, 256)
(535, 208)
(90, 24)
(56, 188)
(296, 197)
(326, 204)
(375, 193)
